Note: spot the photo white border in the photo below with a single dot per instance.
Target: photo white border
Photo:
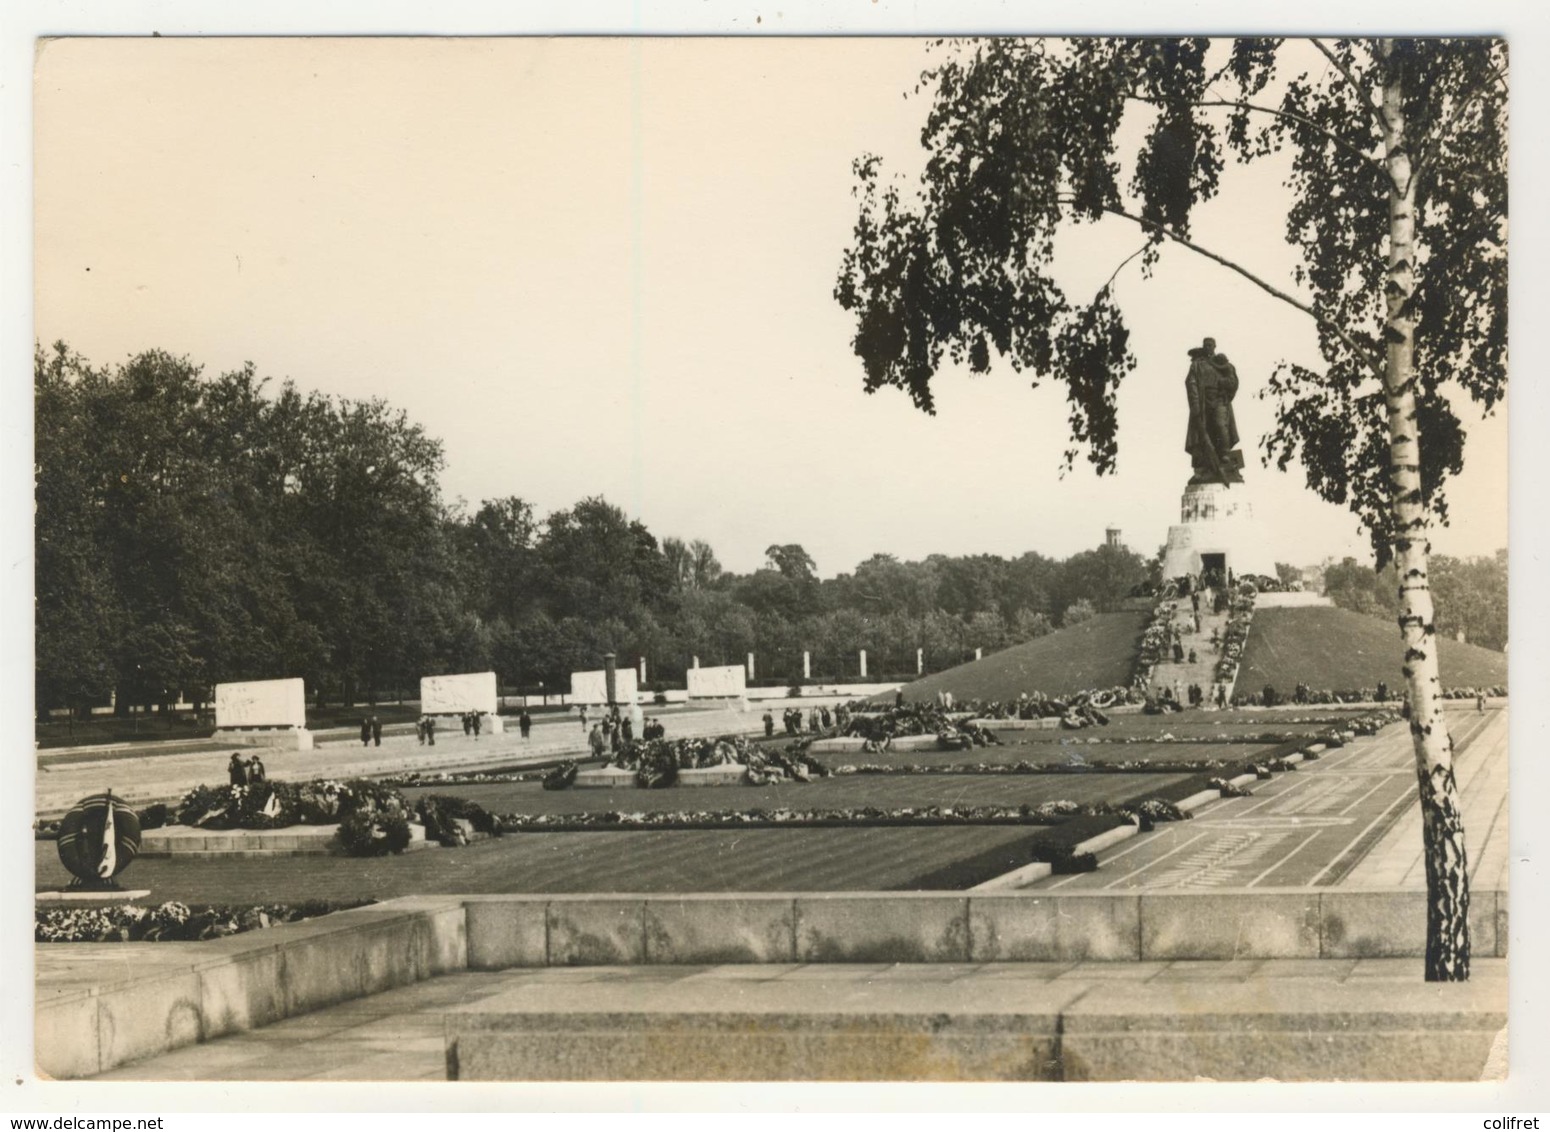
(26, 20)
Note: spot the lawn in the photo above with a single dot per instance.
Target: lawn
(752, 860)
(1097, 653)
(1336, 649)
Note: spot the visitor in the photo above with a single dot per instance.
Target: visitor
(478, 723)
(898, 698)
(468, 723)
(1383, 691)
(365, 732)
(1480, 701)
(613, 736)
(825, 718)
(237, 770)
(583, 710)
(255, 769)
(525, 723)
(419, 730)
(430, 730)
(814, 719)
(627, 729)
(769, 725)
(1178, 651)
(376, 731)
(1193, 659)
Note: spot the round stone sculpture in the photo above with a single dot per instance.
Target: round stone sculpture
(83, 846)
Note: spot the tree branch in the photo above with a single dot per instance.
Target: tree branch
(1289, 115)
(1373, 362)
(1121, 266)
(1373, 111)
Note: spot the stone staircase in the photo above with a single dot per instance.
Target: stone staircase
(1169, 674)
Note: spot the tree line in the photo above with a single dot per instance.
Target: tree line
(194, 529)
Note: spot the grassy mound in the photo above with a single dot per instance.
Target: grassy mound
(1339, 650)
(1098, 653)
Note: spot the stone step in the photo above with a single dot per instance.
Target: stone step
(979, 1028)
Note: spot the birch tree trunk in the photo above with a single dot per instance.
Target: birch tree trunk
(1442, 826)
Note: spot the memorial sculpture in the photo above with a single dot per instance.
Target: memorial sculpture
(1212, 438)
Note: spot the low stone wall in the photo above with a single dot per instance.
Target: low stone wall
(975, 927)
(102, 1005)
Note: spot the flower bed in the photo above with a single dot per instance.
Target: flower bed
(1155, 641)
(277, 804)
(951, 730)
(171, 922)
(1240, 617)
(1045, 813)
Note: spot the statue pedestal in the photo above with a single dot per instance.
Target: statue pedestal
(1217, 527)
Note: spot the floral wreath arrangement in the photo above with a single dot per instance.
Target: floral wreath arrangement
(1045, 813)
(130, 923)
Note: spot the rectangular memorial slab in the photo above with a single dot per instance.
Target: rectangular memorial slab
(261, 703)
(728, 681)
(458, 693)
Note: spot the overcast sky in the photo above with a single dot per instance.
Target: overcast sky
(606, 267)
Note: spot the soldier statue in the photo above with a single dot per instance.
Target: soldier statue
(1212, 439)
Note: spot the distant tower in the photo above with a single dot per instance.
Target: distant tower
(1111, 538)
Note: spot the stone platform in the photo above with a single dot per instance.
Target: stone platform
(618, 778)
(292, 841)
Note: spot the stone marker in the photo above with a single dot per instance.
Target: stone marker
(270, 713)
(461, 693)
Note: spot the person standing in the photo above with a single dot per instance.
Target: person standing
(525, 722)
(1480, 701)
(237, 770)
(769, 724)
(583, 719)
(255, 769)
(478, 723)
(376, 731)
(596, 741)
(365, 732)
(430, 730)
(626, 730)
(419, 730)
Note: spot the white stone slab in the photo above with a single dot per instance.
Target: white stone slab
(457, 693)
(728, 774)
(607, 778)
(592, 687)
(261, 703)
(729, 681)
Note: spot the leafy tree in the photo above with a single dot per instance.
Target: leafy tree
(1287, 574)
(1398, 213)
(1078, 611)
(1103, 577)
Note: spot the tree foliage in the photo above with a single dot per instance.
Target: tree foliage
(1024, 137)
(193, 529)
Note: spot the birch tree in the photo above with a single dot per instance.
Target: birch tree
(1398, 210)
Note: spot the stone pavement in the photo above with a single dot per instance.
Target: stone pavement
(1481, 772)
(1348, 819)
(1388, 1023)
(144, 778)
(1167, 673)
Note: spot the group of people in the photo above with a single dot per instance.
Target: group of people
(614, 731)
(816, 719)
(1165, 699)
(371, 731)
(473, 723)
(245, 772)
